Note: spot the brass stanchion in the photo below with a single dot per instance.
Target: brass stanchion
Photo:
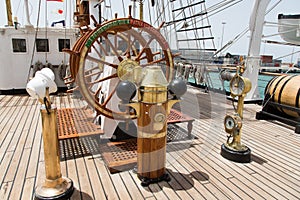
(55, 186)
(233, 149)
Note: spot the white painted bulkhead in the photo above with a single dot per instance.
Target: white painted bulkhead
(16, 67)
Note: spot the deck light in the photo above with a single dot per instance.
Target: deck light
(43, 79)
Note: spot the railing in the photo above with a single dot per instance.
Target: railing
(211, 77)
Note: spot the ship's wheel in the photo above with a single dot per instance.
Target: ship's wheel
(111, 53)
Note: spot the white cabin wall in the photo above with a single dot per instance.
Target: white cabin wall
(15, 67)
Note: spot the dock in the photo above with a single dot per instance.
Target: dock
(196, 168)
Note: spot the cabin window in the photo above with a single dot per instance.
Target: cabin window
(63, 43)
(19, 45)
(42, 45)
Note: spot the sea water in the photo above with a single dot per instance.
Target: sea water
(216, 83)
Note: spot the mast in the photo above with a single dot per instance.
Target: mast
(9, 13)
(252, 63)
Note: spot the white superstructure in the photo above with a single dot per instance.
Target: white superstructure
(26, 49)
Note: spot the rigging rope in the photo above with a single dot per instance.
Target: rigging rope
(274, 6)
(123, 8)
(236, 38)
(287, 55)
(150, 18)
(34, 43)
(18, 7)
(46, 32)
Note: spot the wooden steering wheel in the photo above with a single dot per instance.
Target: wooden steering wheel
(112, 51)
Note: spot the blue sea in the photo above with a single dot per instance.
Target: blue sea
(217, 84)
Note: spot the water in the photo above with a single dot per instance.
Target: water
(217, 84)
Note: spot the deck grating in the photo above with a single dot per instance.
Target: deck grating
(122, 155)
(75, 122)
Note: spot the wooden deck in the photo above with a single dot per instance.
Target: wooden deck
(197, 169)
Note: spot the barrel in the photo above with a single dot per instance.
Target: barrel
(284, 90)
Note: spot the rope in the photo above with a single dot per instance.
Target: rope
(274, 6)
(34, 43)
(46, 32)
(150, 16)
(18, 6)
(123, 8)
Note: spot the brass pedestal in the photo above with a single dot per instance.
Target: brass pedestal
(62, 190)
(55, 186)
(243, 156)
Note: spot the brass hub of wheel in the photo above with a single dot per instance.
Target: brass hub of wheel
(127, 70)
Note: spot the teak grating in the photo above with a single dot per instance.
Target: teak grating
(75, 122)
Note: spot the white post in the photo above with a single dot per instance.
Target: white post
(253, 59)
(28, 23)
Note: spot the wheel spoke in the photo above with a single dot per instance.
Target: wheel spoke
(113, 48)
(153, 62)
(101, 61)
(127, 53)
(115, 75)
(109, 97)
(98, 91)
(102, 48)
(145, 57)
(93, 74)
(97, 51)
(144, 48)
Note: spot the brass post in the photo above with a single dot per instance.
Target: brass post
(141, 10)
(237, 137)
(9, 13)
(55, 186)
(234, 150)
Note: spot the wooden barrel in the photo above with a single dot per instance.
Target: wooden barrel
(284, 90)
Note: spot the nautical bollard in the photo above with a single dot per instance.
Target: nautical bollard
(55, 186)
(233, 149)
(152, 109)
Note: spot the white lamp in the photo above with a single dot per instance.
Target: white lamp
(43, 79)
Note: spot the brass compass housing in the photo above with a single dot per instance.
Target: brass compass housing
(239, 85)
(232, 123)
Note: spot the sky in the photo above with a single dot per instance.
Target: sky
(237, 19)
(234, 20)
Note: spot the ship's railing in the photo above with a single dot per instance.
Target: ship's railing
(207, 75)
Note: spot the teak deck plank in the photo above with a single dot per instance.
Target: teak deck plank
(134, 191)
(255, 182)
(96, 183)
(197, 169)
